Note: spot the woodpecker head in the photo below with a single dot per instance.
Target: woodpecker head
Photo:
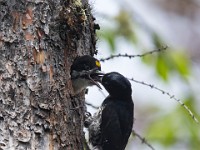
(85, 71)
(117, 85)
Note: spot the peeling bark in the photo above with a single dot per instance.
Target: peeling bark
(38, 42)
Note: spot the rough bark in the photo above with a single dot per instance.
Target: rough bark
(38, 42)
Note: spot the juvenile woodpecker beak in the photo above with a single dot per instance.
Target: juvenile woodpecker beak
(96, 77)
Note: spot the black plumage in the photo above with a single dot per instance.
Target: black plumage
(85, 62)
(111, 126)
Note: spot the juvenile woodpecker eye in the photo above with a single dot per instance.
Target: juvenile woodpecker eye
(87, 67)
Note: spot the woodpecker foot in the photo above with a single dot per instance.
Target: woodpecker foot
(88, 119)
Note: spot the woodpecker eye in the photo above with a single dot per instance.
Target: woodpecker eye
(87, 67)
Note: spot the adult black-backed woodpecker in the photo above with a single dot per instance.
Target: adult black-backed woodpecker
(111, 126)
(85, 72)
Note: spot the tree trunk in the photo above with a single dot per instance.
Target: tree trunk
(38, 42)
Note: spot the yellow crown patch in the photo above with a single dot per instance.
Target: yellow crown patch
(98, 63)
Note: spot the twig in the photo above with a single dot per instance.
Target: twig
(138, 55)
(170, 96)
(143, 140)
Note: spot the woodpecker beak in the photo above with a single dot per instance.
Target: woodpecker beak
(96, 77)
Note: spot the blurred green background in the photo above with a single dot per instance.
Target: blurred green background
(139, 26)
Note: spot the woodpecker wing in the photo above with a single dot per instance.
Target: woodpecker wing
(110, 129)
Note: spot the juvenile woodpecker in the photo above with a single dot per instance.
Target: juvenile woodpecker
(111, 126)
(85, 71)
